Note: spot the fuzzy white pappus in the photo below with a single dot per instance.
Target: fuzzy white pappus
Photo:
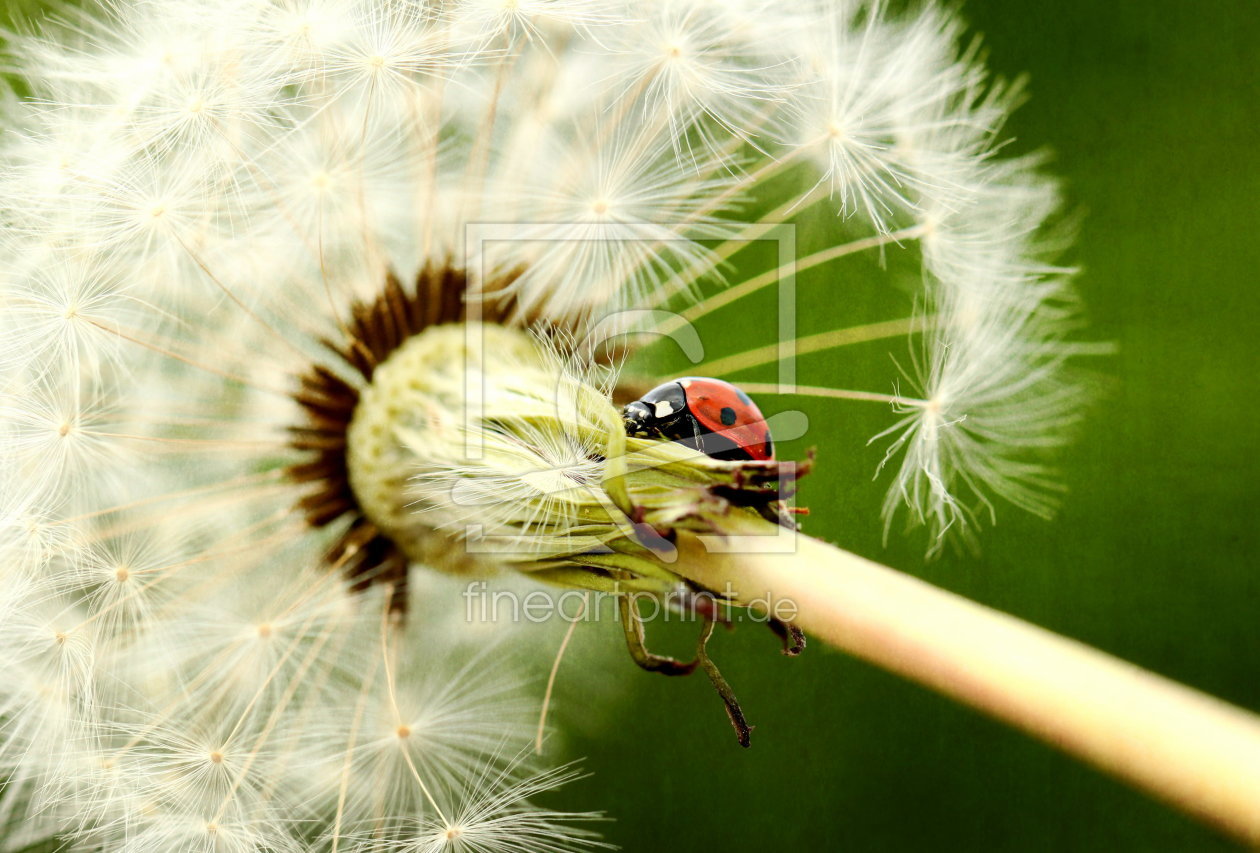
(220, 218)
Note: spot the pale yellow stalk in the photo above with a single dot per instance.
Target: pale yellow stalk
(1189, 749)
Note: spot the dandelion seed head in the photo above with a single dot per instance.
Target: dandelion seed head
(241, 259)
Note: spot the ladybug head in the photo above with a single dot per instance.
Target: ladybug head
(637, 417)
(660, 412)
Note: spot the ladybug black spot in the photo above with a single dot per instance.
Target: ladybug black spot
(769, 446)
(728, 416)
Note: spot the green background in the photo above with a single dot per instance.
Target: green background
(1152, 113)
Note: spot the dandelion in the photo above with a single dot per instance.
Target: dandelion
(303, 298)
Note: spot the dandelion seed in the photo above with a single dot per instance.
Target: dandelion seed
(257, 370)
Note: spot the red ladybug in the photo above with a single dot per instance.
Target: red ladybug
(710, 415)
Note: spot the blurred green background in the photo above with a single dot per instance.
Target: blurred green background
(1152, 114)
(1152, 111)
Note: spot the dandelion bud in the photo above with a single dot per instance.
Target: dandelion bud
(481, 446)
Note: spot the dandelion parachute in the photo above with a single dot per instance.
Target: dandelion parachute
(204, 207)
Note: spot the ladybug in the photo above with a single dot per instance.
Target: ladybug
(709, 415)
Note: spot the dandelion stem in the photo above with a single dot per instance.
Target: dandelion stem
(236, 300)
(170, 353)
(813, 343)
(740, 240)
(551, 678)
(233, 483)
(347, 766)
(388, 652)
(752, 285)
(1191, 750)
(762, 173)
(833, 393)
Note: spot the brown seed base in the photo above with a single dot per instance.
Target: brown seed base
(329, 393)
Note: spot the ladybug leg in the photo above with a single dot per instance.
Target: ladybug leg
(691, 600)
(775, 514)
(697, 436)
(793, 637)
(743, 731)
(632, 624)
